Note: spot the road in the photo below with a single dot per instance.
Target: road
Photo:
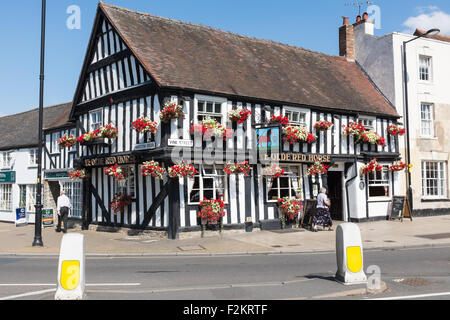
(407, 272)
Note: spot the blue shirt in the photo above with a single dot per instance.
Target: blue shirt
(321, 200)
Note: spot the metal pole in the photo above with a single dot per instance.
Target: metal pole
(406, 110)
(38, 220)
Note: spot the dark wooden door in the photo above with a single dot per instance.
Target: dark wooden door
(335, 195)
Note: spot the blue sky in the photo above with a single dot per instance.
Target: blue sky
(308, 24)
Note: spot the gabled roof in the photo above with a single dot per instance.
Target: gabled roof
(440, 37)
(21, 130)
(190, 56)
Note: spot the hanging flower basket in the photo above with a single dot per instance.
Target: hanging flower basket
(294, 134)
(317, 168)
(87, 137)
(372, 166)
(395, 129)
(171, 110)
(398, 166)
(212, 210)
(108, 132)
(239, 116)
(143, 125)
(182, 170)
(77, 174)
(120, 202)
(116, 172)
(354, 129)
(67, 141)
(372, 138)
(274, 171)
(152, 168)
(290, 208)
(281, 120)
(323, 125)
(237, 168)
(209, 128)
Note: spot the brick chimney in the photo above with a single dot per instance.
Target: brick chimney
(347, 40)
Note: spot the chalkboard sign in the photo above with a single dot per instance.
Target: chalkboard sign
(309, 210)
(400, 208)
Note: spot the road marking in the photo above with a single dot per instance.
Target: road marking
(415, 296)
(35, 293)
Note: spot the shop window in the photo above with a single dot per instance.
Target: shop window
(284, 186)
(434, 179)
(27, 197)
(209, 183)
(379, 183)
(5, 197)
(75, 194)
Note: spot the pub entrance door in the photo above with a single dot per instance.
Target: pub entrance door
(335, 195)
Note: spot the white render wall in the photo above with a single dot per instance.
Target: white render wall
(382, 59)
(25, 175)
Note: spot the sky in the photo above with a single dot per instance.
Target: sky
(308, 24)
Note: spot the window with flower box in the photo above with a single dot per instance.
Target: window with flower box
(379, 183)
(368, 122)
(210, 183)
(285, 186)
(208, 107)
(296, 116)
(434, 179)
(95, 119)
(128, 185)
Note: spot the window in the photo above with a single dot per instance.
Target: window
(284, 186)
(128, 185)
(426, 120)
(368, 123)
(96, 119)
(27, 197)
(209, 109)
(425, 68)
(6, 159)
(74, 192)
(5, 197)
(297, 118)
(379, 183)
(434, 179)
(55, 137)
(209, 183)
(32, 157)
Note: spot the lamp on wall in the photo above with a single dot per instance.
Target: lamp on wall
(429, 33)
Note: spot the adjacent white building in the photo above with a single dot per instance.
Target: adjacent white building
(428, 66)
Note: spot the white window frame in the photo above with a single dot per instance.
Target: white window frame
(5, 197)
(441, 176)
(206, 99)
(128, 186)
(75, 193)
(6, 155)
(364, 120)
(290, 182)
(380, 183)
(430, 121)
(32, 157)
(95, 125)
(430, 68)
(304, 111)
(30, 197)
(55, 147)
(218, 172)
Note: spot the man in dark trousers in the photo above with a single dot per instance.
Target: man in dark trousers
(63, 207)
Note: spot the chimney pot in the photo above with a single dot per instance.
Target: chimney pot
(346, 21)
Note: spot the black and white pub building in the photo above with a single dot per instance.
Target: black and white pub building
(136, 63)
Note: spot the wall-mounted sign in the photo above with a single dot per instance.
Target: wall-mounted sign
(180, 143)
(297, 157)
(56, 175)
(109, 161)
(8, 176)
(268, 139)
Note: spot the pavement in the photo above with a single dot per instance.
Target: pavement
(421, 232)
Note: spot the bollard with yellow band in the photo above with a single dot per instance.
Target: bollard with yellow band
(71, 268)
(349, 254)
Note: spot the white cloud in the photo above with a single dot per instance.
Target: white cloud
(429, 18)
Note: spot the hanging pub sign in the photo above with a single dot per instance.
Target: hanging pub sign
(109, 161)
(268, 139)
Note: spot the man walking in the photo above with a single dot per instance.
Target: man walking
(63, 207)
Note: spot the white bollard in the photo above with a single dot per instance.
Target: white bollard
(71, 268)
(349, 255)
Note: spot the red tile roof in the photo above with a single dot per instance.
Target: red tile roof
(195, 57)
